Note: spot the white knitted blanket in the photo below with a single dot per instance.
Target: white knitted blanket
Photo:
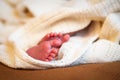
(98, 39)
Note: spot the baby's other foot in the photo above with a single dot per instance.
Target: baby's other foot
(57, 40)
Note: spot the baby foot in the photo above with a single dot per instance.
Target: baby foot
(43, 52)
(55, 39)
(48, 48)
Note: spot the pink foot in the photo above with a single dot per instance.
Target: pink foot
(55, 39)
(48, 48)
(42, 53)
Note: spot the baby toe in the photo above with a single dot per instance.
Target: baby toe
(54, 50)
(47, 36)
(60, 35)
(54, 34)
(53, 55)
(51, 34)
(50, 58)
(66, 38)
(47, 60)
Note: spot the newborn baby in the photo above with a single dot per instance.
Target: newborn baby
(47, 49)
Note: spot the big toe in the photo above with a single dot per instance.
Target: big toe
(66, 37)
